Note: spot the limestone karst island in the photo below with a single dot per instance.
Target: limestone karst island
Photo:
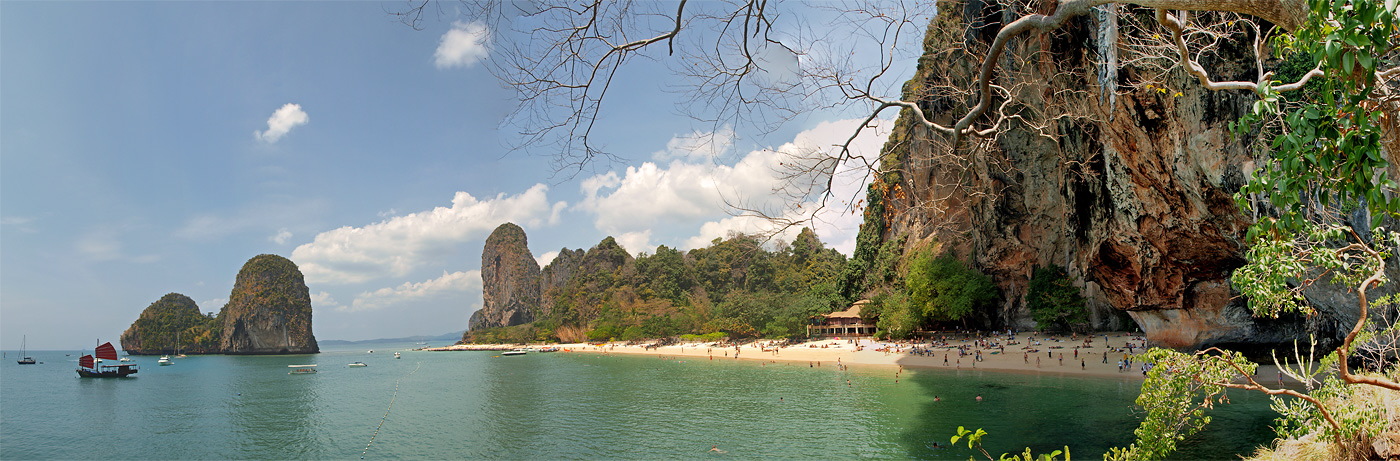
(268, 312)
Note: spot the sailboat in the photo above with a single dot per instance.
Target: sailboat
(25, 360)
(90, 367)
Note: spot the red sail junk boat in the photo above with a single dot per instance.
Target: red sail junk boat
(93, 368)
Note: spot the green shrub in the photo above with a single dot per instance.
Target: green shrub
(1055, 303)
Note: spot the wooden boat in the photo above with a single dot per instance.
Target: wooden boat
(90, 367)
(302, 369)
(25, 359)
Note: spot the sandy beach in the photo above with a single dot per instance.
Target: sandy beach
(1036, 353)
(1096, 355)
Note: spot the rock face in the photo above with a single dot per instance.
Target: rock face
(269, 310)
(510, 281)
(172, 323)
(1134, 198)
(556, 275)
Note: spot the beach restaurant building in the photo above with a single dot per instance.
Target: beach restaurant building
(843, 323)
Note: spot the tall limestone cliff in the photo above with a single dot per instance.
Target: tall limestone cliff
(172, 324)
(269, 310)
(556, 275)
(510, 281)
(1132, 195)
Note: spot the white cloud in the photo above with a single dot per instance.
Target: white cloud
(282, 236)
(324, 300)
(398, 245)
(283, 120)
(213, 305)
(545, 259)
(697, 146)
(636, 242)
(463, 46)
(438, 288)
(699, 194)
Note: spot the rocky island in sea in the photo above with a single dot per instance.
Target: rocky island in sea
(173, 324)
(268, 312)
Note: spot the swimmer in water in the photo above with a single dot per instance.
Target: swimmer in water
(715, 448)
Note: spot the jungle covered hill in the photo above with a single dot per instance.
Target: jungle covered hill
(741, 286)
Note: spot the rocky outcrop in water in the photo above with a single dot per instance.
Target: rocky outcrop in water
(510, 281)
(269, 310)
(1133, 197)
(172, 324)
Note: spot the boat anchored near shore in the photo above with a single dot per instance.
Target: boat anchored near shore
(302, 369)
(90, 367)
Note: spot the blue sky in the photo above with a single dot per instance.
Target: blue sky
(148, 148)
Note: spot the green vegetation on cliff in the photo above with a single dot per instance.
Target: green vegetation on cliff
(1054, 301)
(738, 287)
(173, 323)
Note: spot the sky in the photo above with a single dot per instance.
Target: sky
(154, 147)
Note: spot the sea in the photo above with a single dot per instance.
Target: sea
(554, 406)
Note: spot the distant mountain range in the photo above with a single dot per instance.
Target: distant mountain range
(454, 337)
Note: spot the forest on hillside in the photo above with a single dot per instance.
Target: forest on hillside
(741, 286)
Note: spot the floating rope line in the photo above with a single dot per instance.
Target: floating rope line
(387, 410)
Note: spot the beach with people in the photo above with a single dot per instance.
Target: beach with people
(1104, 354)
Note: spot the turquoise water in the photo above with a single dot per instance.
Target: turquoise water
(475, 405)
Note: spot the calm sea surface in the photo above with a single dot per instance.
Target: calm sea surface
(475, 405)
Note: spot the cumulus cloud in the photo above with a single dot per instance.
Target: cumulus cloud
(636, 242)
(282, 121)
(398, 245)
(449, 283)
(545, 259)
(694, 191)
(463, 46)
(324, 300)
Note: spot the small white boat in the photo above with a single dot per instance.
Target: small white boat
(397, 355)
(301, 369)
(164, 360)
(357, 364)
(514, 352)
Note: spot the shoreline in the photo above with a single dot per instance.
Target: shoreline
(1060, 355)
(997, 353)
